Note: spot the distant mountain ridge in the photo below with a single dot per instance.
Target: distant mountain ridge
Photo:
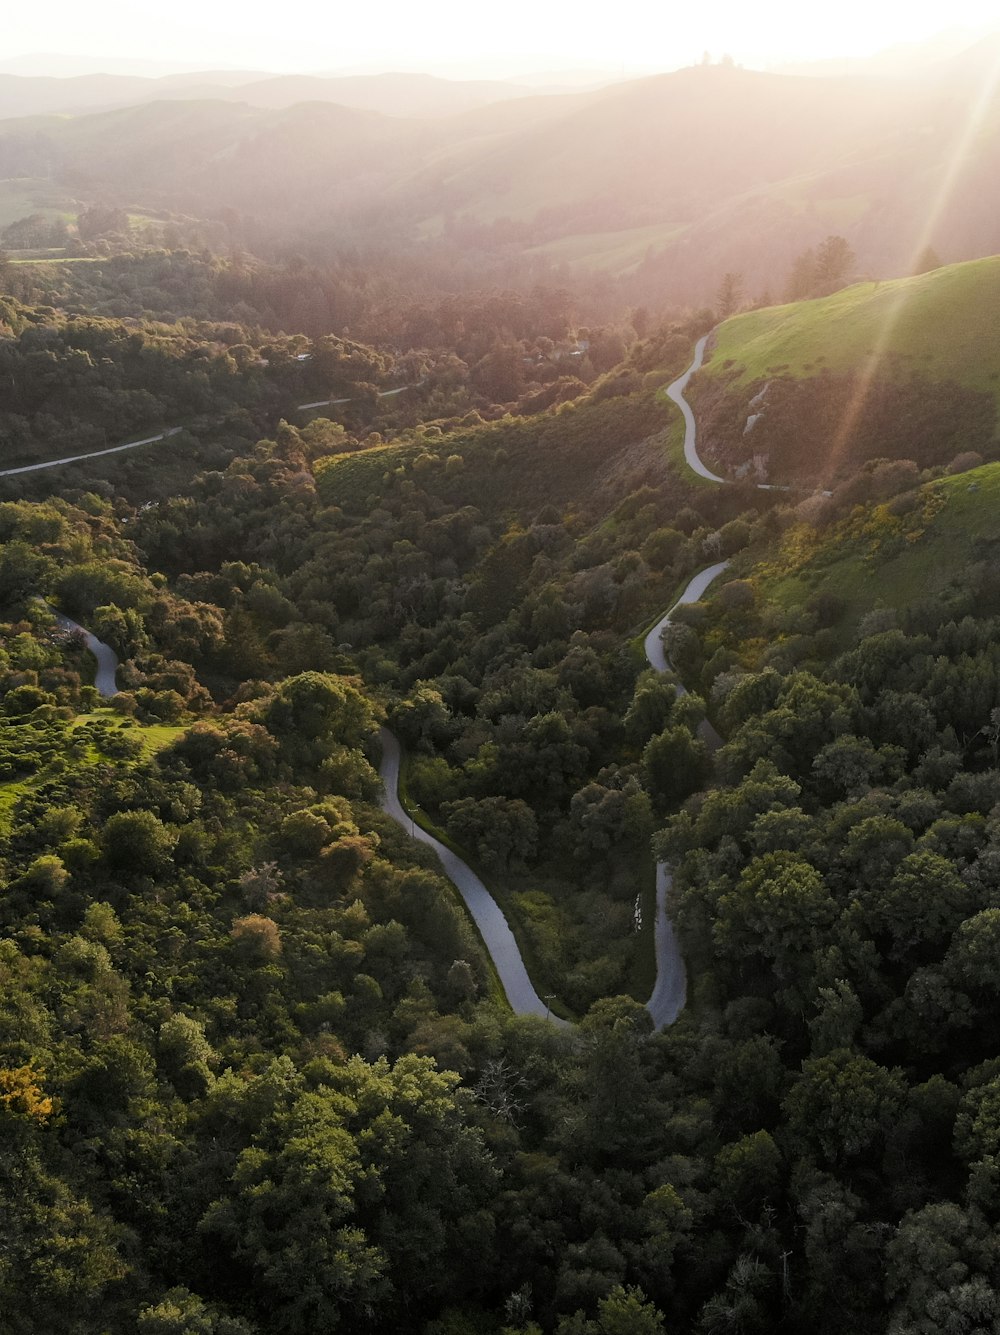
(665, 183)
(390, 94)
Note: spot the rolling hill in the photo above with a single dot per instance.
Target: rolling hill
(907, 369)
(944, 324)
(390, 94)
(665, 183)
(889, 556)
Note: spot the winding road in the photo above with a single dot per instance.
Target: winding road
(670, 988)
(675, 393)
(107, 659)
(483, 908)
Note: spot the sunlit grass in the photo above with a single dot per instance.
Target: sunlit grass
(153, 737)
(944, 325)
(916, 559)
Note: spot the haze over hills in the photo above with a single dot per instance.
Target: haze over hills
(664, 182)
(392, 94)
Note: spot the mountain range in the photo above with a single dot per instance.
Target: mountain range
(663, 183)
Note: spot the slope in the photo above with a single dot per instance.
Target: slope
(711, 159)
(940, 542)
(808, 393)
(945, 324)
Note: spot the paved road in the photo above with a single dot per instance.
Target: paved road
(107, 659)
(670, 989)
(653, 643)
(485, 911)
(94, 454)
(164, 435)
(382, 394)
(675, 392)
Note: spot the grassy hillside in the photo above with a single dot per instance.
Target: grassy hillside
(807, 394)
(880, 557)
(944, 325)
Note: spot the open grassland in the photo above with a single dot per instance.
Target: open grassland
(876, 558)
(944, 324)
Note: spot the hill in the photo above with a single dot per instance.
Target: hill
(390, 94)
(905, 369)
(933, 544)
(649, 181)
(945, 324)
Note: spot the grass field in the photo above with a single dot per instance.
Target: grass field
(154, 737)
(609, 252)
(944, 324)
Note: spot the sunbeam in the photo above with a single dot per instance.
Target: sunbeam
(956, 160)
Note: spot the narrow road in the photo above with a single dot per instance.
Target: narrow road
(165, 435)
(107, 659)
(675, 393)
(94, 454)
(653, 643)
(485, 911)
(382, 394)
(670, 989)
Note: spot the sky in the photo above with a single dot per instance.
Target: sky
(466, 37)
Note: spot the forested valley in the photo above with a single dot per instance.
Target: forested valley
(317, 482)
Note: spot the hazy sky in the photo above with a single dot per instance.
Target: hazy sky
(437, 34)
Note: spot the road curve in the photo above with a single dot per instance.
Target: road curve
(653, 643)
(485, 911)
(107, 659)
(670, 988)
(675, 393)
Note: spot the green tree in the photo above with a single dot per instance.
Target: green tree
(834, 262)
(137, 841)
(729, 297)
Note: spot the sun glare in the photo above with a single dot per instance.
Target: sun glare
(955, 162)
(450, 34)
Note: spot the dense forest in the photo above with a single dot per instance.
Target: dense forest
(399, 463)
(258, 1073)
